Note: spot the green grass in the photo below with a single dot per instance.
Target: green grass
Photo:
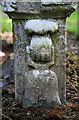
(73, 23)
(6, 23)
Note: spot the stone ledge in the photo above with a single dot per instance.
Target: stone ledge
(26, 10)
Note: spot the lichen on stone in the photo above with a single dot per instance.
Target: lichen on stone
(48, 2)
(8, 6)
(51, 1)
(39, 41)
(40, 48)
(36, 73)
(40, 84)
(41, 26)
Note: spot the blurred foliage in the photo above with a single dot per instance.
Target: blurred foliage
(73, 23)
(5, 22)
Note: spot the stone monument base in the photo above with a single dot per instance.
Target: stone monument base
(41, 88)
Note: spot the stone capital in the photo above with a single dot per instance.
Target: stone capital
(43, 9)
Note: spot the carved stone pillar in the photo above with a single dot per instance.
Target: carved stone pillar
(39, 30)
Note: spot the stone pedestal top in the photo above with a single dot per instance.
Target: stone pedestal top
(43, 9)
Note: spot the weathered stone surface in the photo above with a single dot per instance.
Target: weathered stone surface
(7, 69)
(40, 49)
(37, 10)
(59, 42)
(46, 2)
(28, 7)
(23, 62)
(41, 26)
(8, 6)
(40, 53)
(40, 80)
(41, 88)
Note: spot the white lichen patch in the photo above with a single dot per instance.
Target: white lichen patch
(47, 71)
(41, 26)
(38, 41)
(51, 1)
(36, 73)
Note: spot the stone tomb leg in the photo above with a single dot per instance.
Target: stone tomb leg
(39, 31)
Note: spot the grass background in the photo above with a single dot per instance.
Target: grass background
(72, 23)
(5, 22)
